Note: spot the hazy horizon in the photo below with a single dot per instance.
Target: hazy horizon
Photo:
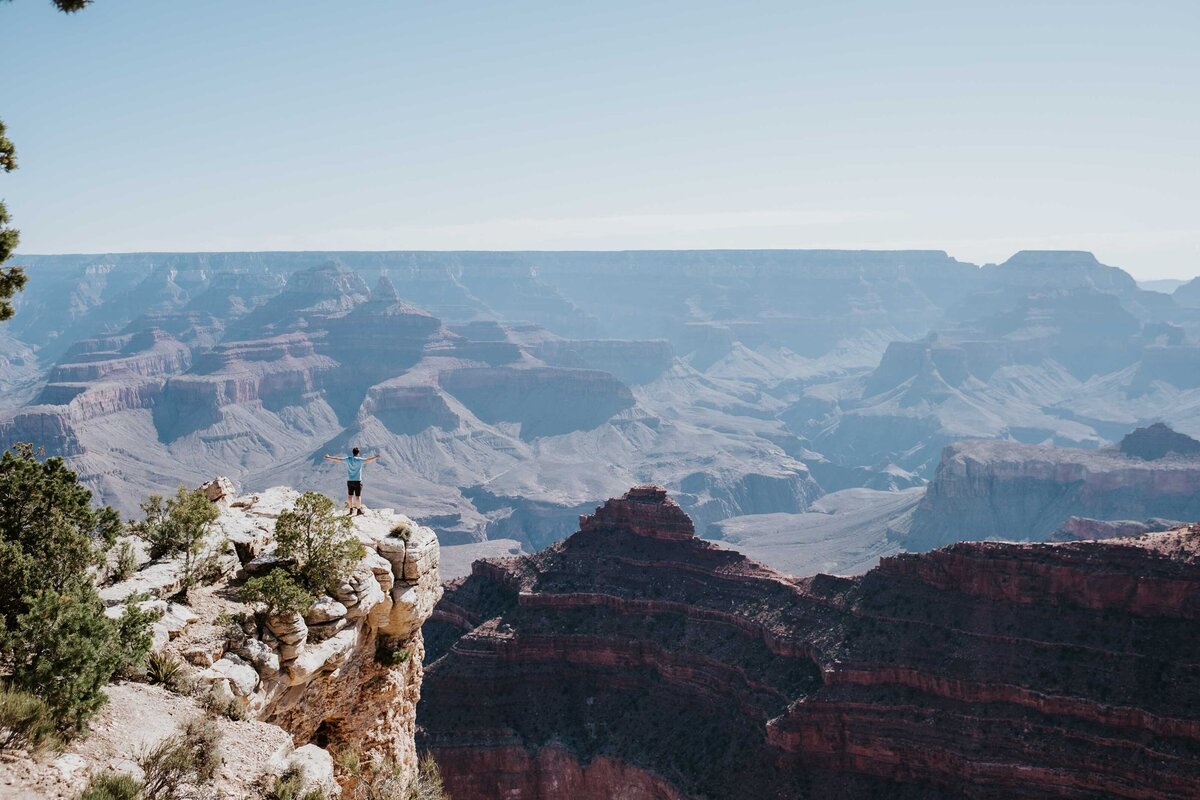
(143, 126)
(548, 251)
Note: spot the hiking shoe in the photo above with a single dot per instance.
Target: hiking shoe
(360, 512)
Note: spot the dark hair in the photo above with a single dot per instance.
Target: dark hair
(354, 451)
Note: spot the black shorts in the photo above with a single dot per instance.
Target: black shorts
(354, 488)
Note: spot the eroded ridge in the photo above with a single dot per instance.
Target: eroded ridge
(637, 661)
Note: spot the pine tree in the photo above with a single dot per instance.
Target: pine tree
(12, 278)
(55, 641)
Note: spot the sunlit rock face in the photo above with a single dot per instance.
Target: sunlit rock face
(635, 660)
(1006, 490)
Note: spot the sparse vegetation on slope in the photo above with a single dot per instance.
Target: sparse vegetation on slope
(25, 722)
(177, 526)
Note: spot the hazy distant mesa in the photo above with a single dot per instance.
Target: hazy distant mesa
(508, 392)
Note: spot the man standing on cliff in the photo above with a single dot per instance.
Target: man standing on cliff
(354, 465)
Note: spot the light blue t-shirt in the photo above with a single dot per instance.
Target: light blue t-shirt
(354, 466)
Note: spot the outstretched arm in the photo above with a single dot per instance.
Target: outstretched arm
(372, 458)
(333, 458)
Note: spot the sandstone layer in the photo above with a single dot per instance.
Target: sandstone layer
(633, 660)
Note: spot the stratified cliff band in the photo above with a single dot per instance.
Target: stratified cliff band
(636, 661)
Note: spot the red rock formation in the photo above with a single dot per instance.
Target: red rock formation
(644, 511)
(638, 661)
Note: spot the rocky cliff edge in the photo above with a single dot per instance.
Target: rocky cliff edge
(290, 689)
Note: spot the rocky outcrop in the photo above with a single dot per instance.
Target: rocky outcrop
(1082, 528)
(990, 489)
(642, 511)
(345, 675)
(628, 659)
(1158, 441)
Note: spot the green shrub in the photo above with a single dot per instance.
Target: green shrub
(25, 721)
(111, 786)
(226, 707)
(54, 636)
(402, 531)
(186, 759)
(388, 654)
(322, 543)
(124, 563)
(64, 650)
(383, 778)
(286, 786)
(177, 526)
(279, 592)
(290, 786)
(428, 784)
(49, 533)
(165, 670)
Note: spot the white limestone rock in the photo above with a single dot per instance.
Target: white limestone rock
(243, 678)
(317, 764)
(327, 655)
(176, 617)
(160, 579)
(324, 610)
(261, 655)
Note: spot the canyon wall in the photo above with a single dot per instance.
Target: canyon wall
(636, 658)
(992, 489)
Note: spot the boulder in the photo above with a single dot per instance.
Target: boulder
(317, 765)
(176, 617)
(370, 595)
(327, 655)
(243, 679)
(381, 568)
(204, 653)
(321, 632)
(219, 490)
(160, 579)
(325, 609)
(288, 628)
(261, 655)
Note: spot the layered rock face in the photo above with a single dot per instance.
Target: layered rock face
(990, 489)
(633, 660)
(96, 378)
(748, 382)
(545, 401)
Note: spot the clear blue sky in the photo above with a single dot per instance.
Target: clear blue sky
(976, 127)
